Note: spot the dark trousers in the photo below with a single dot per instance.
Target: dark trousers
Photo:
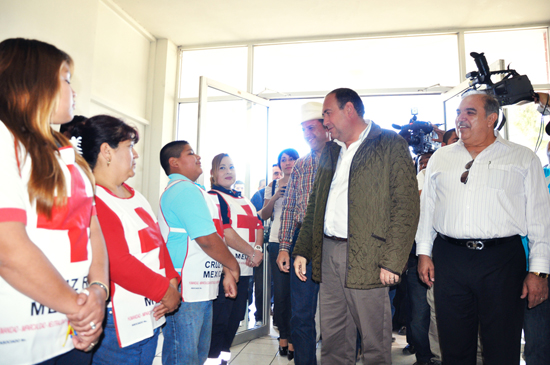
(259, 292)
(303, 299)
(226, 315)
(479, 289)
(69, 358)
(281, 294)
(537, 334)
(419, 313)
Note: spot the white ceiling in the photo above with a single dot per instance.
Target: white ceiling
(214, 22)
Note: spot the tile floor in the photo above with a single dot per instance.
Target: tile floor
(263, 351)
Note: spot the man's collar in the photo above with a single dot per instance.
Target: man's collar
(176, 176)
(362, 135)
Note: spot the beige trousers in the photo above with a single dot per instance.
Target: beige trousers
(344, 311)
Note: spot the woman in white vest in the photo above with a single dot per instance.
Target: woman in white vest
(53, 261)
(143, 280)
(243, 232)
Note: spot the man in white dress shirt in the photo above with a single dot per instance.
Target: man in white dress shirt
(479, 196)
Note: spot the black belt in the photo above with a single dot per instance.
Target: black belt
(334, 238)
(477, 244)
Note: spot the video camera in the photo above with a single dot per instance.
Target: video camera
(512, 89)
(418, 135)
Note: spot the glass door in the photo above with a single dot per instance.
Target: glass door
(235, 122)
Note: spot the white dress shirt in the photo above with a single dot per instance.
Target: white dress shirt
(506, 194)
(336, 212)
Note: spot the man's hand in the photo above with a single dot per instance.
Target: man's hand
(426, 270)
(388, 278)
(300, 267)
(229, 286)
(535, 289)
(283, 261)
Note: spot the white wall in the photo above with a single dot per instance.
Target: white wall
(116, 65)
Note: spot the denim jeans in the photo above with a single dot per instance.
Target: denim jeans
(108, 351)
(303, 299)
(187, 334)
(537, 334)
(281, 294)
(419, 320)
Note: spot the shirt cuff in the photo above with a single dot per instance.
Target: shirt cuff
(284, 246)
(538, 264)
(424, 249)
(13, 215)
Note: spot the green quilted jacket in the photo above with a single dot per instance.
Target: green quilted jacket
(383, 209)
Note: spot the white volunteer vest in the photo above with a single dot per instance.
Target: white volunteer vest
(133, 313)
(244, 221)
(29, 331)
(200, 274)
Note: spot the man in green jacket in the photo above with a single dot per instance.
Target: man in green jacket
(358, 230)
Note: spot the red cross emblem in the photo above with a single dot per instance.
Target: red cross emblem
(73, 217)
(249, 221)
(150, 237)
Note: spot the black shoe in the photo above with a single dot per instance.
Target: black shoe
(421, 363)
(409, 350)
(435, 362)
(290, 355)
(392, 339)
(402, 331)
(283, 351)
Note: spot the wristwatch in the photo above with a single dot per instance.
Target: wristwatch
(259, 248)
(540, 274)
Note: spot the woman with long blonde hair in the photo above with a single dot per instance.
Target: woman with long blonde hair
(53, 260)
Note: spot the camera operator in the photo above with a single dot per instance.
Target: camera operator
(537, 320)
(479, 196)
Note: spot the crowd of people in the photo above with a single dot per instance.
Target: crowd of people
(89, 273)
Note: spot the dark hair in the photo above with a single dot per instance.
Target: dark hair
(289, 151)
(448, 135)
(68, 127)
(343, 96)
(172, 149)
(102, 129)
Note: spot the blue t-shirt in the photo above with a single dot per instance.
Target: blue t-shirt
(183, 207)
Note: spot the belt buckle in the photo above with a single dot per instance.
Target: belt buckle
(475, 245)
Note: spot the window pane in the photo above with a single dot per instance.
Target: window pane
(524, 124)
(358, 64)
(524, 50)
(285, 118)
(226, 65)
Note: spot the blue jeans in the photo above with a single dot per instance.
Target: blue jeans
(281, 294)
(419, 324)
(536, 325)
(108, 351)
(303, 299)
(187, 334)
